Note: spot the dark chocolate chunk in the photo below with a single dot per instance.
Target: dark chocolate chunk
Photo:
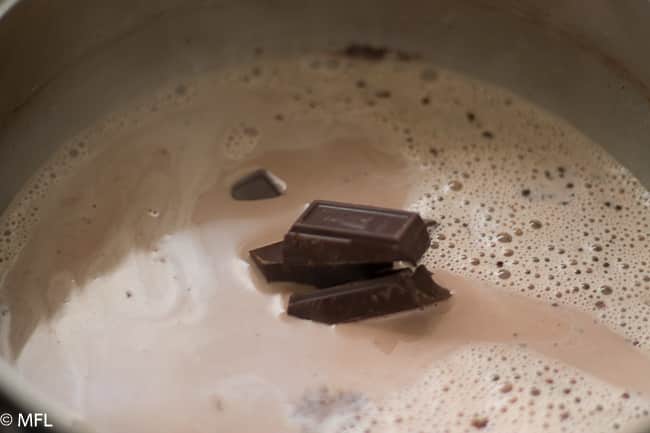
(258, 185)
(270, 262)
(331, 233)
(398, 291)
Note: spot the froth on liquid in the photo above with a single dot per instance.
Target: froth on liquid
(127, 293)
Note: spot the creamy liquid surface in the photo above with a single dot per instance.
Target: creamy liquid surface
(128, 295)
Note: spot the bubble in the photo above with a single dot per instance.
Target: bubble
(504, 274)
(480, 423)
(504, 237)
(535, 224)
(454, 185)
(383, 94)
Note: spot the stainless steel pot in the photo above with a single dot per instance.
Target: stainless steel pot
(587, 62)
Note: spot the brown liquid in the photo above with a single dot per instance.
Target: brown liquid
(134, 302)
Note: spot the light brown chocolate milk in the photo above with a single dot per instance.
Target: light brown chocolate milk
(129, 296)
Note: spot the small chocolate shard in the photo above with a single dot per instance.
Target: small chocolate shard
(332, 233)
(258, 185)
(397, 291)
(269, 260)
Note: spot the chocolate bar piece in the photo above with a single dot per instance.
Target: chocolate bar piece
(270, 262)
(331, 233)
(398, 291)
(258, 185)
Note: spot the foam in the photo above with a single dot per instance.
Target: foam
(501, 388)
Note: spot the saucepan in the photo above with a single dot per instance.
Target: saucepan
(64, 64)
